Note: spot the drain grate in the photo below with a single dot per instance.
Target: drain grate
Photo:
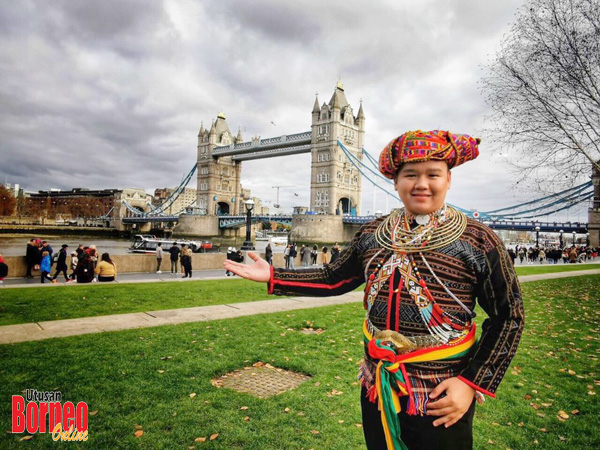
(261, 380)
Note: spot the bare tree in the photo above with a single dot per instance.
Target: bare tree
(543, 88)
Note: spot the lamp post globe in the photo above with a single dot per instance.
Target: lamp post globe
(574, 238)
(537, 236)
(560, 239)
(249, 205)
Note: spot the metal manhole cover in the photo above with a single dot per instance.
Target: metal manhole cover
(261, 380)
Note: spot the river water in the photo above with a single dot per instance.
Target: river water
(16, 244)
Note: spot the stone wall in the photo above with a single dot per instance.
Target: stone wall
(317, 228)
(201, 226)
(126, 263)
(136, 263)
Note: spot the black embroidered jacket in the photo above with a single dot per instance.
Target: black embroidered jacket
(475, 268)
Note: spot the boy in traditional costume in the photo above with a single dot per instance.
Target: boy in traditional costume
(424, 266)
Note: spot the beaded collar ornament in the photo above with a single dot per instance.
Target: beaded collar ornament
(432, 231)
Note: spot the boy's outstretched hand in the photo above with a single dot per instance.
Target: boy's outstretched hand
(259, 271)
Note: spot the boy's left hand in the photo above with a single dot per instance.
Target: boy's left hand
(454, 405)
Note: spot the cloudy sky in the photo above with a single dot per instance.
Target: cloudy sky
(111, 94)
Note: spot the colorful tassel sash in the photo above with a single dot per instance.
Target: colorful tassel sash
(393, 382)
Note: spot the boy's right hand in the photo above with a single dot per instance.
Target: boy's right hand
(259, 271)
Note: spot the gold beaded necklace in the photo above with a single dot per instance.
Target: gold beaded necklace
(443, 227)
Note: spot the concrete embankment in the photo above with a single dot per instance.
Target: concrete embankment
(135, 263)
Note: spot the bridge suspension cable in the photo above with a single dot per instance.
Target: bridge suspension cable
(159, 210)
(551, 203)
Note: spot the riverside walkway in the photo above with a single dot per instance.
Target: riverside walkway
(10, 334)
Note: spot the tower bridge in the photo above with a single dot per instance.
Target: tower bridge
(336, 186)
(335, 143)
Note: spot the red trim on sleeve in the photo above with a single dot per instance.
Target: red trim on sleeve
(271, 282)
(474, 386)
(315, 285)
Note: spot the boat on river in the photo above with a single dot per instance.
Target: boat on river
(147, 243)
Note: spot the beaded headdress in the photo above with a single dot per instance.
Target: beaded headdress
(420, 146)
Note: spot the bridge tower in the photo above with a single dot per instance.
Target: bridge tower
(219, 189)
(594, 211)
(336, 185)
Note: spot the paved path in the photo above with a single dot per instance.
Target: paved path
(38, 331)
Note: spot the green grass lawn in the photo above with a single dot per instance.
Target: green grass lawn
(146, 378)
(552, 268)
(26, 305)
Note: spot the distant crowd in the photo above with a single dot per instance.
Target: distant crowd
(553, 255)
(85, 264)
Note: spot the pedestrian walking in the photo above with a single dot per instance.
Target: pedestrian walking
(33, 257)
(269, 254)
(159, 256)
(61, 263)
(174, 252)
(324, 255)
(313, 255)
(186, 261)
(335, 252)
(305, 256)
(45, 267)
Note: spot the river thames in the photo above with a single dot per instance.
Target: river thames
(15, 244)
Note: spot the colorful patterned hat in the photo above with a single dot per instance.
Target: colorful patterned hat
(419, 146)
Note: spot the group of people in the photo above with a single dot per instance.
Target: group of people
(308, 256)
(553, 255)
(85, 263)
(177, 255)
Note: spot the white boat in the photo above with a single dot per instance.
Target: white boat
(147, 243)
(278, 240)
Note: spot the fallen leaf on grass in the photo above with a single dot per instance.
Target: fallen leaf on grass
(286, 410)
(543, 430)
(591, 392)
(243, 408)
(562, 415)
(138, 427)
(93, 413)
(192, 395)
(26, 438)
(315, 432)
(246, 419)
(575, 412)
(214, 436)
(491, 442)
(138, 433)
(562, 438)
(200, 439)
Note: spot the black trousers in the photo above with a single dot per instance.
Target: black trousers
(418, 432)
(58, 272)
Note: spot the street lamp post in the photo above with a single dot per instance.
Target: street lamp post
(249, 204)
(537, 236)
(574, 237)
(560, 239)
